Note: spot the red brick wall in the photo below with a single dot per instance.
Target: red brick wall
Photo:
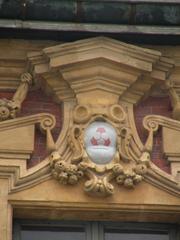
(154, 105)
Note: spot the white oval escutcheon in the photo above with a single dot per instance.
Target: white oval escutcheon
(100, 142)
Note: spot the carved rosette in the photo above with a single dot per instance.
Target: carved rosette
(126, 167)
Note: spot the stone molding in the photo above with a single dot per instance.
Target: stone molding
(115, 67)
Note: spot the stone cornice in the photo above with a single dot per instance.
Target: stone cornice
(132, 69)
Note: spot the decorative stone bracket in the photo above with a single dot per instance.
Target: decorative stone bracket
(9, 108)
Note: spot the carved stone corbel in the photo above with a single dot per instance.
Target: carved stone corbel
(9, 108)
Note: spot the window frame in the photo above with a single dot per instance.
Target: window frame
(94, 230)
(171, 229)
(20, 223)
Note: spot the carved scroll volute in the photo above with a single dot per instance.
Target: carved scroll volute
(9, 108)
(46, 125)
(100, 144)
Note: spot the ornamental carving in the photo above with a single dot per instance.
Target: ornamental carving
(102, 149)
(99, 81)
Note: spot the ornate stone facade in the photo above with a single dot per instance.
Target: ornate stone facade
(98, 158)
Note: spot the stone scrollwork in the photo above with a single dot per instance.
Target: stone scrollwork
(102, 148)
(9, 108)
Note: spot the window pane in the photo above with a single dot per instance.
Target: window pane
(55, 233)
(114, 235)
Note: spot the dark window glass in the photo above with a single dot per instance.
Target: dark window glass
(56, 230)
(135, 236)
(53, 233)
(115, 234)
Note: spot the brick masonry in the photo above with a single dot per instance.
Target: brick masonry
(38, 102)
